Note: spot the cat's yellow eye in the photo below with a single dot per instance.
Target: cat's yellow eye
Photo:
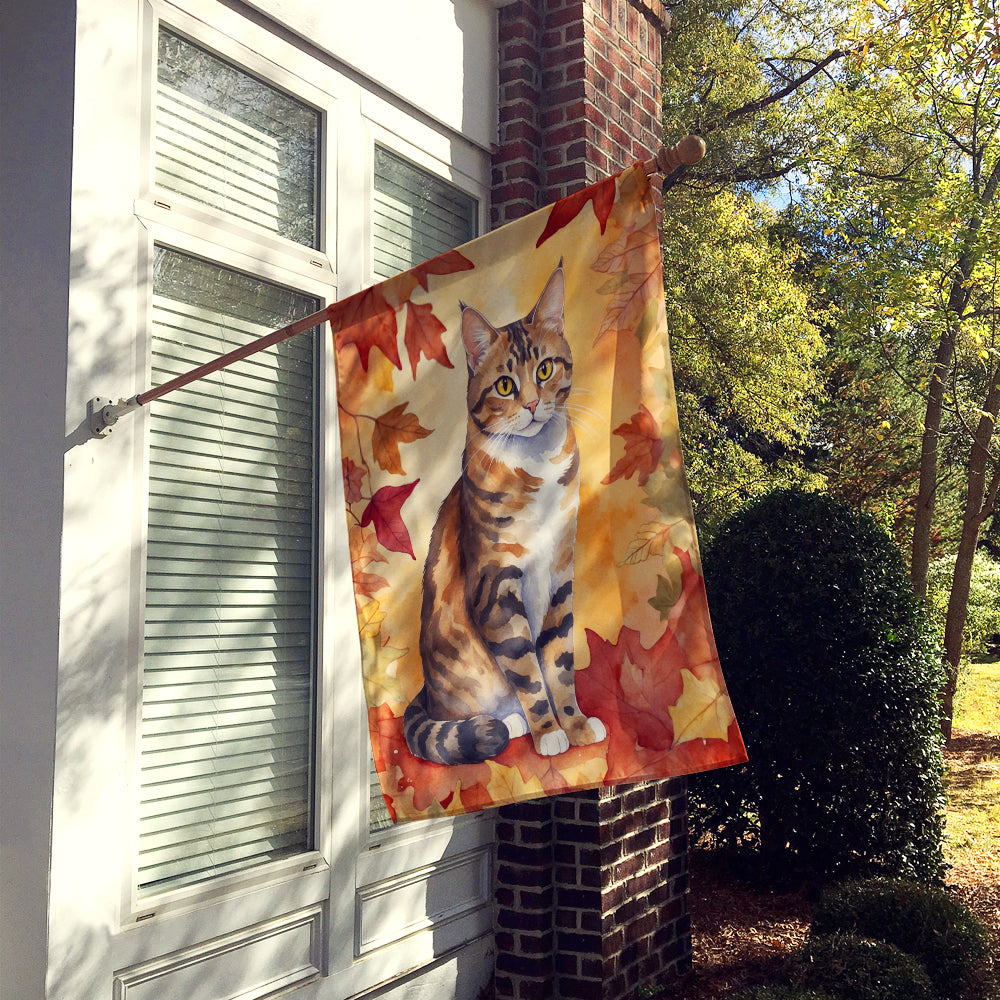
(544, 371)
(505, 385)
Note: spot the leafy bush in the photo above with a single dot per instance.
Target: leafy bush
(856, 968)
(782, 993)
(925, 922)
(833, 672)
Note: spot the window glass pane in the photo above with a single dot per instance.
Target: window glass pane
(416, 216)
(228, 140)
(228, 679)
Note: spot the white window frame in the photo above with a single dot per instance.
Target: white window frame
(351, 875)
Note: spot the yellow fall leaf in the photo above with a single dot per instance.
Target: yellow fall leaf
(370, 619)
(381, 683)
(507, 785)
(586, 772)
(703, 710)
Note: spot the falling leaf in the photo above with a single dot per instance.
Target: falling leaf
(354, 477)
(636, 255)
(393, 428)
(382, 686)
(364, 548)
(423, 336)
(649, 541)
(643, 447)
(564, 211)
(384, 512)
(668, 588)
(366, 320)
(449, 262)
(703, 710)
(370, 618)
(507, 785)
(368, 584)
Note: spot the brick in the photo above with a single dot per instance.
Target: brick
(581, 989)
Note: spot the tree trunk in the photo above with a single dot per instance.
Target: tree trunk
(920, 552)
(979, 499)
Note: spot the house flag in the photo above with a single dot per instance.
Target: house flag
(530, 603)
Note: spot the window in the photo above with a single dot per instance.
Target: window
(227, 140)
(228, 679)
(229, 646)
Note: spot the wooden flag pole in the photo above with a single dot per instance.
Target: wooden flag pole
(103, 413)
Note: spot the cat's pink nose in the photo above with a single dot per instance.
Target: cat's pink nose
(531, 406)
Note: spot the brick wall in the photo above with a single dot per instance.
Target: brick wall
(579, 96)
(591, 888)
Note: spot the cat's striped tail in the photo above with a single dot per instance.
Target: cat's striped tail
(467, 741)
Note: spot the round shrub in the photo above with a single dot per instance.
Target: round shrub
(924, 921)
(856, 968)
(833, 671)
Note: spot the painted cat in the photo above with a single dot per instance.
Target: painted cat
(496, 635)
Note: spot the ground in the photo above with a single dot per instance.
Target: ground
(741, 935)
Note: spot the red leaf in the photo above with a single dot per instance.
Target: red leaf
(643, 448)
(564, 211)
(423, 336)
(445, 263)
(384, 512)
(366, 320)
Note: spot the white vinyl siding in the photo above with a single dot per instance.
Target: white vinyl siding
(228, 658)
(415, 216)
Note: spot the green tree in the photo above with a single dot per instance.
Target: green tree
(911, 190)
(747, 352)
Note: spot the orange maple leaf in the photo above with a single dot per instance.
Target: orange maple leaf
(634, 260)
(364, 548)
(366, 320)
(423, 336)
(449, 262)
(601, 195)
(643, 448)
(393, 428)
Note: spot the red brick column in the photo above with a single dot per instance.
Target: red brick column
(591, 888)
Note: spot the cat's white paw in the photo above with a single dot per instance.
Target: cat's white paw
(600, 732)
(516, 725)
(553, 743)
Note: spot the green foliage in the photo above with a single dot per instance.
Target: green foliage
(924, 921)
(983, 612)
(833, 672)
(747, 357)
(857, 968)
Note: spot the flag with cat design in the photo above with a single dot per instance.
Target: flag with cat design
(530, 605)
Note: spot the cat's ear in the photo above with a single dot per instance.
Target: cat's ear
(552, 302)
(477, 335)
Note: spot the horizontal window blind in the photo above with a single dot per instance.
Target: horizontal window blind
(228, 655)
(416, 216)
(226, 139)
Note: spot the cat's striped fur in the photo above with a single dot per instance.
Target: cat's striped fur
(496, 637)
